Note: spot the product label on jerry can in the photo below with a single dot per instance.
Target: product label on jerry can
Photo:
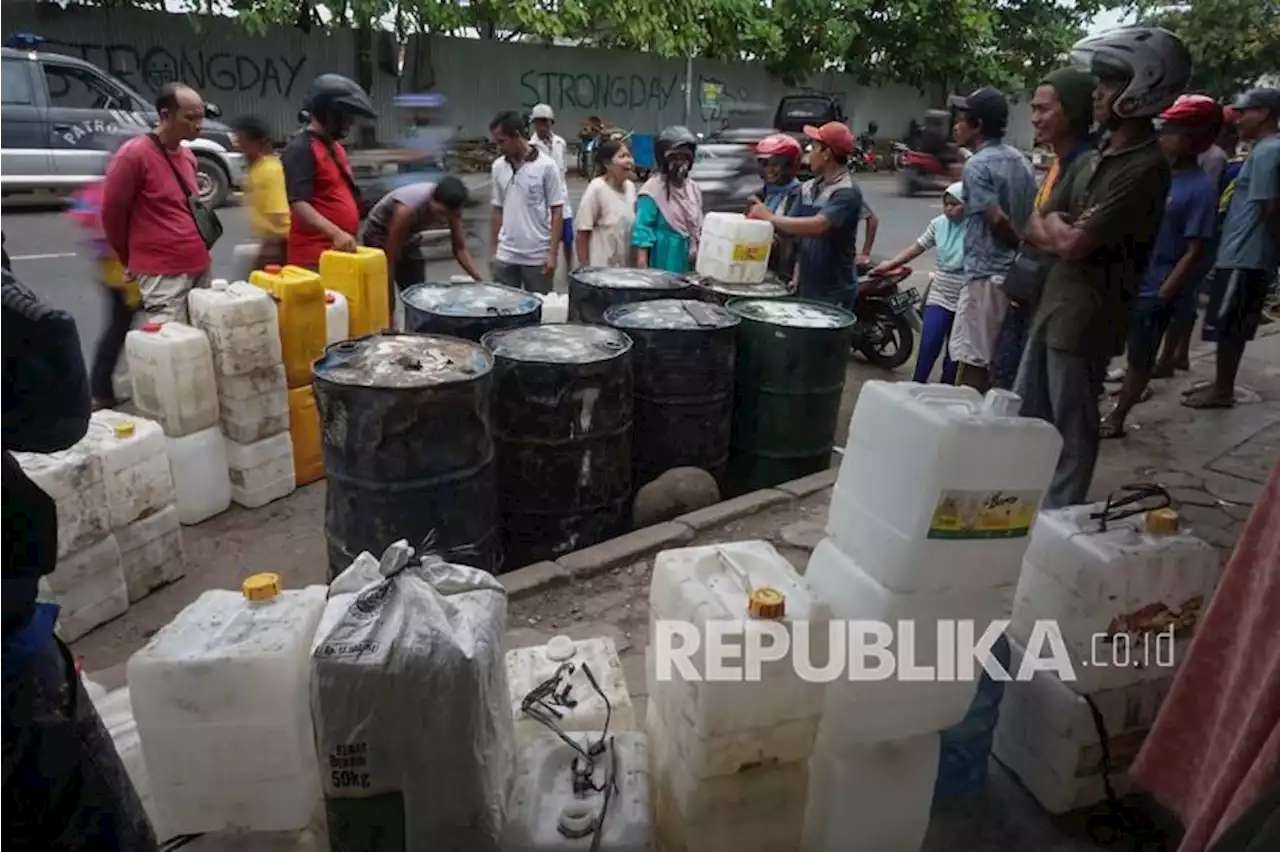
(750, 252)
(962, 514)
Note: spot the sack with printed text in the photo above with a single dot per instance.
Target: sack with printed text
(409, 697)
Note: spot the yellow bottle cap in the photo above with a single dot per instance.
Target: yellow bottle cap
(766, 602)
(261, 587)
(123, 430)
(1164, 520)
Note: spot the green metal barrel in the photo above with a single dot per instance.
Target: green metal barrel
(788, 381)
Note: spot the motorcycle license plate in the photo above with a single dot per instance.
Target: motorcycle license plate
(899, 302)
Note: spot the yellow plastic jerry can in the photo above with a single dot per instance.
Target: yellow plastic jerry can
(304, 431)
(361, 276)
(300, 305)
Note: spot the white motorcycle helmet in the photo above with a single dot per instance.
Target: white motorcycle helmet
(1153, 60)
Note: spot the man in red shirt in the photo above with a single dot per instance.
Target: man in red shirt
(323, 199)
(145, 214)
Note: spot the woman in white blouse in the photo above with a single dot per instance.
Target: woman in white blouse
(608, 209)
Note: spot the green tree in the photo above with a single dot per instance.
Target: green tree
(1232, 42)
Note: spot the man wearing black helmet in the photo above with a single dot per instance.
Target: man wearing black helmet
(1102, 241)
(999, 192)
(323, 199)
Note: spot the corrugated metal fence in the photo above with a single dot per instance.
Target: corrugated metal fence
(269, 75)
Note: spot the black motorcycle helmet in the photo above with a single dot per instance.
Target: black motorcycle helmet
(337, 101)
(674, 139)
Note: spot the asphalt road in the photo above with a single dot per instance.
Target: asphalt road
(49, 256)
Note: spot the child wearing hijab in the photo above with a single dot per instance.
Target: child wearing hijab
(669, 207)
(945, 234)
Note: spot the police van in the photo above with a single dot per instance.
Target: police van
(62, 117)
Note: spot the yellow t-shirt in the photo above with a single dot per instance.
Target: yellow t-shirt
(267, 198)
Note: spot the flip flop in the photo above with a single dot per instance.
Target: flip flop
(1203, 401)
(1196, 387)
(1109, 430)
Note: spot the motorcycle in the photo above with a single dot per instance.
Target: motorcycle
(888, 318)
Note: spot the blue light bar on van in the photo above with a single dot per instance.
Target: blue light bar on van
(424, 100)
(24, 40)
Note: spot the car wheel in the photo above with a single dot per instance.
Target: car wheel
(212, 182)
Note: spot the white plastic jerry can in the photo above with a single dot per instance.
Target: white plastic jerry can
(734, 249)
(221, 700)
(337, 318)
(135, 464)
(583, 708)
(240, 321)
(200, 475)
(173, 379)
(262, 471)
(74, 480)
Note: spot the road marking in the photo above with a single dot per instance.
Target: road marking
(43, 256)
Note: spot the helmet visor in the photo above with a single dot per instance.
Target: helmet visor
(1100, 64)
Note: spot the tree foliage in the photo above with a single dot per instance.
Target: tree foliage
(931, 44)
(1232, 42)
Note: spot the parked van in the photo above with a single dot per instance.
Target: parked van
(61, 117)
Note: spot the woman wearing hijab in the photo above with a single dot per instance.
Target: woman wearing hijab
(1061, 115)
(669, 207)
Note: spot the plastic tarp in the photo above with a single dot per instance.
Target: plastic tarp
(412, 716)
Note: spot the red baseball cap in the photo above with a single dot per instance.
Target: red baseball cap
(836, 136)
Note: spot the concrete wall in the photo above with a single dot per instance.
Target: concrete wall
(269, 75)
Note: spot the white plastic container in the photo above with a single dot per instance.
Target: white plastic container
(220, 695)
(121, 381)
(74, 479)
(725, 725)
(1115, 594)
(939, 488)
(89, 587)
(262, 471)
(544, 814)
(199, 465)
(529, 667)
(734, 249)
(173, 379)
(135, 465)
(254, 406)
(337, 318)
(1048, 738)
(867, 711)
(116, 712)
(555, 307)
(876, 799)
(151, 552)
(240, 320)
(760, 809)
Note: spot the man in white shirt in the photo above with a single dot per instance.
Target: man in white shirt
(553, 145)
(528, 207)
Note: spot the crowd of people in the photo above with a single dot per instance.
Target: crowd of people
(1144, 210)
(1036, 288)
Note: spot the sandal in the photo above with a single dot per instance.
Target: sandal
(1196, 387)
(1109, 430)
(1116, 375)
(1207, 399)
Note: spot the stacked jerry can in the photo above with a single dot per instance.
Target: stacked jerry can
(931, 512)
(720, 748)
(173, 383)
(253, 403)
(300, 308)
(1122, 590)
(118, 531)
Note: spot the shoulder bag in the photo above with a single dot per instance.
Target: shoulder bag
(206, 220)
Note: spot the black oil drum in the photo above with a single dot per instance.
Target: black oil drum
(789, 379)
(468, 310)
(594, 289)
(408, 447)
(562, 427)
(720, 292)
(682, 361)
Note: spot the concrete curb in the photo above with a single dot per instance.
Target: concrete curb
(633, 546)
